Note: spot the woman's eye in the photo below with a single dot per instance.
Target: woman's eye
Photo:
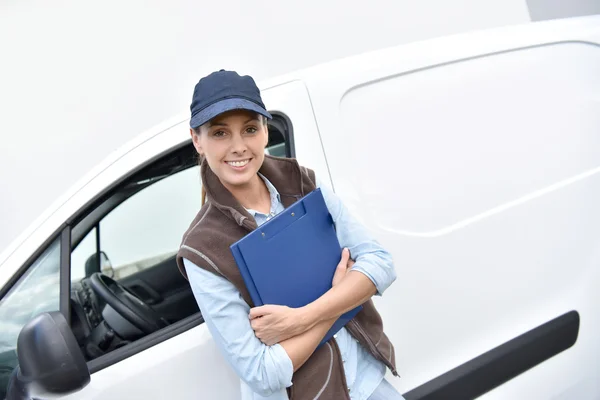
(251, 130)
(219, 134)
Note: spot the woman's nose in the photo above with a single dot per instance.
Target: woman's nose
(238, 145)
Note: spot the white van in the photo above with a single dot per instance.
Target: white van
(475, 159)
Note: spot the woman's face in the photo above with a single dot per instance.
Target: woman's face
(233, 144)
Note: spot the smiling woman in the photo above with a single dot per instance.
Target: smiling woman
(273, 347)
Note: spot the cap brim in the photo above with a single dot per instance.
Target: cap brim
(223, 106)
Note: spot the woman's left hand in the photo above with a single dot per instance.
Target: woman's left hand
(273, 324)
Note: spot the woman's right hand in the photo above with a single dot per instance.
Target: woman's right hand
(342, 268)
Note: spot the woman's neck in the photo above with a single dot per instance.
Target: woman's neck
(253, 195)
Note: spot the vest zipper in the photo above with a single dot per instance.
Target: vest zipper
(374, 349)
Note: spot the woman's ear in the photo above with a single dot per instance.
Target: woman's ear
(196, 141)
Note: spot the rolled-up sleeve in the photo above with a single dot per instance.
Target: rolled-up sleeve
(371, 258)
(267, 370)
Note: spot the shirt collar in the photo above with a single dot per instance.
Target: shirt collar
(275, 197)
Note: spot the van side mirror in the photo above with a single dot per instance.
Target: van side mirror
(51, 363)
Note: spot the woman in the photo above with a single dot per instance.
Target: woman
(272, 348)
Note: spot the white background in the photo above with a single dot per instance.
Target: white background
(78, 79)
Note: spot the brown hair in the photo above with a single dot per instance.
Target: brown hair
(202, 186)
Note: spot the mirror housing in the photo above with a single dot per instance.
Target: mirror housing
(50, 361)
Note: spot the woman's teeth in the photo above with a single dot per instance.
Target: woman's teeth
(238, 164)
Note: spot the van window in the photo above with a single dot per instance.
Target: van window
(34, 293)
(452, 143)
(147, 228)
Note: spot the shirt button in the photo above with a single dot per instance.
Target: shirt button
(348, 390)
(335, 336)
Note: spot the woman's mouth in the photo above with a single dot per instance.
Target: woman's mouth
(238, 164)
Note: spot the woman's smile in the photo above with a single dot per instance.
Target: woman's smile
(238, 165)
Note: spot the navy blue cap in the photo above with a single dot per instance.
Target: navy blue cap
(224, 91)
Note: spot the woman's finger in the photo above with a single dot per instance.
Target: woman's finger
(259, 311)
(345, 257)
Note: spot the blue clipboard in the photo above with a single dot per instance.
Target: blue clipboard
(291, 259)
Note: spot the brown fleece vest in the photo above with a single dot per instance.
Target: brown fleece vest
(222, 221)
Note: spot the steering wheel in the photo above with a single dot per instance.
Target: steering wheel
(126, 304)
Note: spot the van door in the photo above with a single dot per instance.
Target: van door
(290, 100)
(474, 159)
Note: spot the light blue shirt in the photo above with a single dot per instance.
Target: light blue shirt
(266, 371)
